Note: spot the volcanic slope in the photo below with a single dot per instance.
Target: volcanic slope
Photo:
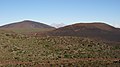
(91, 30)
(26, 24)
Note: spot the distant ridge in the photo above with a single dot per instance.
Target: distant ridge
(91, 30)
(26, 24)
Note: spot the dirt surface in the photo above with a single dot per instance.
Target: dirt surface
(61, 61)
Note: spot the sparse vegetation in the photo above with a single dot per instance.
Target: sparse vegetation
(44, 50)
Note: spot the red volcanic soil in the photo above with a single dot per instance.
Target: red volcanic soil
(26, 24)
(91, 30)
(60, 61)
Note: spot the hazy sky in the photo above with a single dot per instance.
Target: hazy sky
(60, 11)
